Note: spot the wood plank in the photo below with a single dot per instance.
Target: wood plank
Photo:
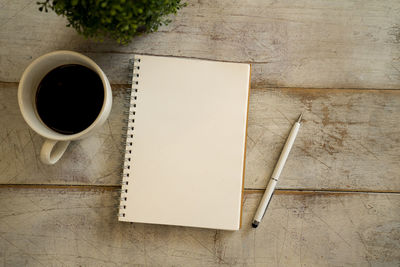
(95, 160)
(349, 141)
(51, 227)
(349, 138)
(310, 43)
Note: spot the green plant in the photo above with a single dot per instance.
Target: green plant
(118, 19)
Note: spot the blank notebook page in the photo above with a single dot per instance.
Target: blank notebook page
(188, 143)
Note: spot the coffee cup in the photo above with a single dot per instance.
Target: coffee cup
(56, 142)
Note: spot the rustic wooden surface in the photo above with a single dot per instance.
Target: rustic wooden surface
(307, 43)
(339, 198)
(347, 135)
(65, 227)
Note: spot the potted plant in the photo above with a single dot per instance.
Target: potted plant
(118, 19)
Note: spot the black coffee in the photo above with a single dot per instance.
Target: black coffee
(69, 98)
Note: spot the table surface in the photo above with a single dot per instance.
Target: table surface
(338, 201)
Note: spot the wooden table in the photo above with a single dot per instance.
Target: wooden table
(338, 201)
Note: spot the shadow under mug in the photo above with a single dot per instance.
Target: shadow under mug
(56, 143)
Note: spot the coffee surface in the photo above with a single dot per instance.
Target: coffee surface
(69, 98)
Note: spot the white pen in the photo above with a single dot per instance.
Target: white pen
(277, 172)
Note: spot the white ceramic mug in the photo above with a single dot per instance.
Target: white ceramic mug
(56, 143)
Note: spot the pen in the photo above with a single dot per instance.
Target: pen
(277, 172)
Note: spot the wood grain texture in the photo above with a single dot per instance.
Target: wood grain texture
(308, 43)
(349, 141)
(50, 227)
(94, 160)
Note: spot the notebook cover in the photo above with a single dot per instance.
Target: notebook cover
(186, 137)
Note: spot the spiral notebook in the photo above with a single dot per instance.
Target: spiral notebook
(185, 146)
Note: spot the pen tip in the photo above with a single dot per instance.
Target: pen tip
(300, 117)
(254, 224)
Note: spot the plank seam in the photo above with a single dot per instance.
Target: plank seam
(276, 87)
(247, 190)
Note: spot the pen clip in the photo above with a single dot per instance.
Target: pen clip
(300, 117)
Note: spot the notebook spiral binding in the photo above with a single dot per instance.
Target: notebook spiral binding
(134, 67)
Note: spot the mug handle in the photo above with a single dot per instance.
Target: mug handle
(52, 151)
